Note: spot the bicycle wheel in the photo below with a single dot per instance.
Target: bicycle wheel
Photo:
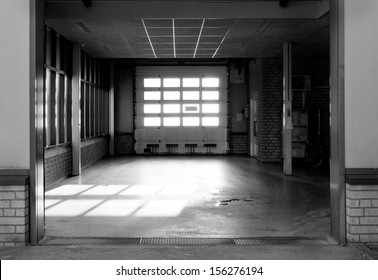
(313, 155)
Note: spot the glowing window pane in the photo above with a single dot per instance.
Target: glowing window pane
(190, 95)
(171, 108)
(210, 82)
(210, 108)
(171, 95)
(152, 121)
(210, 121)
(191, 82)
(171, 82)
(152, 95)
(190, 121)
(190, 108)
(210, 95)
(151, 108)
(174, 121)
(151, 82)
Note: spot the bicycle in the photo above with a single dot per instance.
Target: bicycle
(313, 153)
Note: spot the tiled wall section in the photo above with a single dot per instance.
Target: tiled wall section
(124, 144)
(58, 163)
(362, 213)
(239, 143)
(94, 149)
(14, 215)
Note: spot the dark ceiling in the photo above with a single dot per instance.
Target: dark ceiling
(170, 29)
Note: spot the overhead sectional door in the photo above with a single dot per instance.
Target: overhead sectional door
(181, 109)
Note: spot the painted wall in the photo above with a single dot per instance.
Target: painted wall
(14, 81)
(361, 84)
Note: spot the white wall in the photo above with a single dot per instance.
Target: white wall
(361, 83)
(14, 84)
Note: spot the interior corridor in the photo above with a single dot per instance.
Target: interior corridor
(189, 197)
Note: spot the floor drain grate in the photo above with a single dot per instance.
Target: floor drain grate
(65, 241)
(178, 241)
(300, 241)
(187, 241)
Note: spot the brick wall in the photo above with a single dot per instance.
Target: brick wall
(124, 144)
(94, 149)
(362, 213)
(265, 84)
(239, 143)
(14, 215)
(58, 163)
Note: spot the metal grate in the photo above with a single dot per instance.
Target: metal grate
(63, 241)
(178, 241)
(187, 241)
(300, 241)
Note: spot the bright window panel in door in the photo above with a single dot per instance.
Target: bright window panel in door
(190, 95)
(190, 121)
(190, 108)
(151, 108)
(190, 82)
(210, 82)
(210, 108)
(171, 95)
(152, 121)
(151, 82)
(171, 121)
(210, 95)
(210, 121)
(171, 82)
(151, 95)
(171, 108)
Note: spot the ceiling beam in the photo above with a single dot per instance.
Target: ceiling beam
(180, 9)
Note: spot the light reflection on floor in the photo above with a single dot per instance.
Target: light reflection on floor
(188, 197)
(116, 200)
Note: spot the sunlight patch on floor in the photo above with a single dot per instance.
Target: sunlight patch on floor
(142, 190)
(68, 190)
(105, 190)
(72, 207)
(116, 208)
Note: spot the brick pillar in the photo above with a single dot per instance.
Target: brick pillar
(14, 210)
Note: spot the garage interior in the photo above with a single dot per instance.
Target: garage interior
(108, 174)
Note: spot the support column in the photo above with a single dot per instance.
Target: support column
(76, 123)
(111, 111)
(37, 189)
(287, 114)
(337, 122)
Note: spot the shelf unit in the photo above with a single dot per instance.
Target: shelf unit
(299, 133)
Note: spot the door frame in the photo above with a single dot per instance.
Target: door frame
(337, 114)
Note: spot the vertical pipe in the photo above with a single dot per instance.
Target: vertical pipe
(111, 111)
(65, 111)
(287, 118)
(76, 93)
(337, 115)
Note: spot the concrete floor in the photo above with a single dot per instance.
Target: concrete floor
(189, 197)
